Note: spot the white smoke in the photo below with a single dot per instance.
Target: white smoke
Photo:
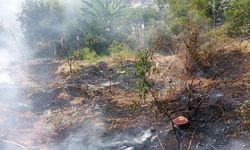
(9, 10)
(11, 36)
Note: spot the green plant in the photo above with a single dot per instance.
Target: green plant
(85, 54)
(101, 22)
(143, 66)
(41, 21)
(119, 53)
(116, 48)
(238, 18)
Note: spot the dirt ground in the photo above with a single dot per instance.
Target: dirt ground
(96, 108)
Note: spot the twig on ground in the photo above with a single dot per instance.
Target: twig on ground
(162, 108)
(191, 140)
(159, 140)
(110, 85)
(222, 111)
(212, 147)
(197, 146)
(202, 100)
(157, 134)
(14, 143)
(199, 104)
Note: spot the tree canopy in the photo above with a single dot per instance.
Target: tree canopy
(96, 24)
(41, 21)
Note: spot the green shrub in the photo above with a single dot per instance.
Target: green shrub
(238, 18)
(144, 64)
(116, 47)
(119, 51)
(85, 54)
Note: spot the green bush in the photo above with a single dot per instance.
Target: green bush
(116, 47)
(238, 18)
(143, 66)
(85, 54)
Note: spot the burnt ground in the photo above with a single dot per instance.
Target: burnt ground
(82, 111)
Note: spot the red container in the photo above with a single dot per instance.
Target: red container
(181, 122)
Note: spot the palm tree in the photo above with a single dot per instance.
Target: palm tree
(106, 12)
(101, 22)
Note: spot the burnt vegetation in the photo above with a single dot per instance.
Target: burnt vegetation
(132, 75)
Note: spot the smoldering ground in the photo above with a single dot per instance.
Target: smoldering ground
(13, 102)
(12, 98)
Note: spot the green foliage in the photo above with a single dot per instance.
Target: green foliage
(98, 23)
(73, 33)
(85, 54)
(40, 21)
(180, 11)
(116, 47)
(136, 23)
(203, 12)
(238, 17)
(96, 38)
(141, 15)
(143, 67)
(213, 9)
(106, 11)
(101, 22)
(144, 64)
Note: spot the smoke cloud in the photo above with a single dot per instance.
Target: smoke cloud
(10, 36)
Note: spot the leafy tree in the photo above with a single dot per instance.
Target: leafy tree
(85, 54)
(96, 37)
(212, 9)
(238, 17)
(41, 22)
(101, 22)
(73, 35)
(215, 9)
(136, 23)
(178, 12)
(141, 15)
(203, 12)
(106, 12)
